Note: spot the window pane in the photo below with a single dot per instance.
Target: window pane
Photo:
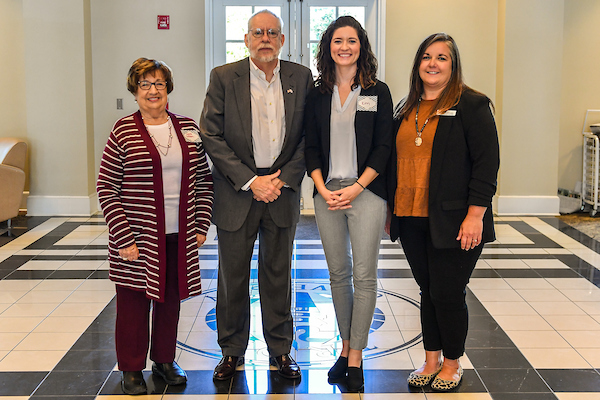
(357, 12)
(313, 58)
(320, 18)
(236, 22)
(236, 51)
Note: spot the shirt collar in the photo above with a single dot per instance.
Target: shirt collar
(259, 73)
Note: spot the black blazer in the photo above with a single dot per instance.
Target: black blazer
(373, 134)
(464, 169)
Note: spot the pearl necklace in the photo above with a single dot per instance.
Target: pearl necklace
(157, 144)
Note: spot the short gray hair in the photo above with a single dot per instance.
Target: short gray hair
(265, 11)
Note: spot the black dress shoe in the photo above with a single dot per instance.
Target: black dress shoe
(286, 366)
(170, 372)
(225, 369)
(355, 380)
(132, 382)
(339, 369)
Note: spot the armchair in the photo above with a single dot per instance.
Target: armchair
(13, 153)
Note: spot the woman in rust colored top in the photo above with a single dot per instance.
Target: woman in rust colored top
(441, 181)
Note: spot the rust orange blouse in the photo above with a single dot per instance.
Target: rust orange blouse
(414, 163)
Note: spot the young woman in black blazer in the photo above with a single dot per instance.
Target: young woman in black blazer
(348, 125)
(442, 178)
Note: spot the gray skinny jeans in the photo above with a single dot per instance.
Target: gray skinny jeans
(351, 241)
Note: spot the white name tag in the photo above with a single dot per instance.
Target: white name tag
(191, 135)
(449, 113)
(367, 103)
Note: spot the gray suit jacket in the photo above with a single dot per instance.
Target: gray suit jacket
(226, 131)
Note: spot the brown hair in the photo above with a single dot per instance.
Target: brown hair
(143, 66)
(453, 90)
(366, 71)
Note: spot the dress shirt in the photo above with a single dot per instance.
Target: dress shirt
(343, 159)
(268, 117)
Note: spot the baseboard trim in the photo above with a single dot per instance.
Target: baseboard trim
(62, 205)
(528, 205)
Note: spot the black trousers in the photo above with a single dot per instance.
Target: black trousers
(442, 276)
(274, 283)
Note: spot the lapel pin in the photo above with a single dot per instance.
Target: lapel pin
(290, 91)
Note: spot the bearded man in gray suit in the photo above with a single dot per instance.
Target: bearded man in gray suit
(252, 129)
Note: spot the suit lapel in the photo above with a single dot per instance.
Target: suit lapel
(440, 141)
(288, 86)
(241, 86)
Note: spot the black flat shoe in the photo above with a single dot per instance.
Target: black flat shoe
(132, 382)
(225, 369)
(339, 369)
(286, 366)
(355, 380)
(170, 372)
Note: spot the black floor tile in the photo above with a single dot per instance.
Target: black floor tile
(262, 382)
(71, 274)
(28, 275)
(20, 383)
(572, 380)
(394, 273)
(497, 358)
(99, 274)
(482, 323)
(63, 397)
(96, 341)
(69, 383)
(518, 273)
(558, 273)
(384, 381)
(488, 339)
(512, 380)
(199, 382)
(88, 360)
(485, 273)
(14, 262)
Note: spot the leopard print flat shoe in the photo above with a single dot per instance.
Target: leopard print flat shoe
(443, 385)
(420, 380)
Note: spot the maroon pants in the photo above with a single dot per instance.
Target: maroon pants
(132, 334)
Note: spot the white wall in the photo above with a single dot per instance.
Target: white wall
(57, 106)
(580, 84)
(123, 31)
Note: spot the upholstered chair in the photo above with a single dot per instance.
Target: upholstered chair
(13, 153)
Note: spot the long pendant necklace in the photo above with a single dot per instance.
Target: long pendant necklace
(418, 139)
(158, 145)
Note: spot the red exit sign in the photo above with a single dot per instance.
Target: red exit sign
(163, 21)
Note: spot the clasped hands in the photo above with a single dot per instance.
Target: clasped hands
(341, 199)
(267, 188)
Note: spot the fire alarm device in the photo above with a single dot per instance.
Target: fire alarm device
(163, 22)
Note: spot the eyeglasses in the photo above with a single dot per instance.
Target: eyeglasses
(145, 85)
(259, 33)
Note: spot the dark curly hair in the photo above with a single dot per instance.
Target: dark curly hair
(366, 71)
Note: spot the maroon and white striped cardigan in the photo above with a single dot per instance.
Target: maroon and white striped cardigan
(130, 191)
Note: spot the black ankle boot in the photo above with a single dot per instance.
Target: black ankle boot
(339, 369)
(355, 380)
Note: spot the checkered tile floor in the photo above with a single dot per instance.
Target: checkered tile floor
(534, 303)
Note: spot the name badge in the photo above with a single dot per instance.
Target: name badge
(449, 113)
(191, 135)
(367, 103)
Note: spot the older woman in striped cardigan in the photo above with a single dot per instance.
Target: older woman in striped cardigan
(155, 190)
